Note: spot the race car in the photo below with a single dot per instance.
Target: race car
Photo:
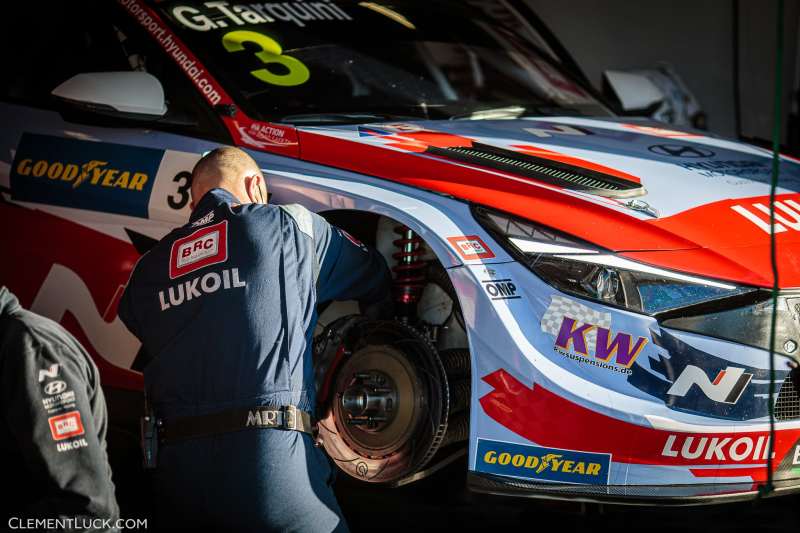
(583, 302)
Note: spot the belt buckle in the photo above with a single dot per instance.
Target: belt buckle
(290, 417)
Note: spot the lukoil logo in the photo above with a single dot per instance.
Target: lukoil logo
(208, 283)
(536, 462)
(718, 449)
(204, 247)
(727, 387)
(71, 445)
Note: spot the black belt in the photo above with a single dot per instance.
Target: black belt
(190, 427)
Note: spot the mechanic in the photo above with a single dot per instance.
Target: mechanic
(225, 307)
(53, 426)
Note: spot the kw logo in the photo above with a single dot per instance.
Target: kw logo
(787, 215)
(727, 387)
(621, 347)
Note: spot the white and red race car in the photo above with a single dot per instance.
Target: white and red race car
(584, 303)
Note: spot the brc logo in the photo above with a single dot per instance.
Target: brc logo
(471, 247)
(66, 425)
(573, 334)
(204, 247)
(194, 251)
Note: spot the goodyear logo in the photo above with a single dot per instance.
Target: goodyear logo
(544, 464)
(97, 176)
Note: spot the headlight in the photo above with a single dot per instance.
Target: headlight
(580, 268)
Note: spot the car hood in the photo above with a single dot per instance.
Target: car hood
(683, 200)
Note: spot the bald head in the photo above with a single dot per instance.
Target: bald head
(231, 169)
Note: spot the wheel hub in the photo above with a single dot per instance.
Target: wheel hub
(370, 401)
(378, 409)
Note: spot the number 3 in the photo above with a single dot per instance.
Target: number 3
(271, 52)
(180, 200)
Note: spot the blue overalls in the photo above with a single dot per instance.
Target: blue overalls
(225, 306)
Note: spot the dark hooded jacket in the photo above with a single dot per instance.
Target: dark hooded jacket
(53, 425)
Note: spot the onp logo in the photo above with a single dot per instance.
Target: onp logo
(66, 425)
(204, 247)
(501, 289)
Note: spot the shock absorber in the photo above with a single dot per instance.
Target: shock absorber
(409, 270)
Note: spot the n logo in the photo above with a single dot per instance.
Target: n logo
(51, 373)
(727, 387)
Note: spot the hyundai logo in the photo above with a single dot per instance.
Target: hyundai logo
(55, 387)
(680, 150)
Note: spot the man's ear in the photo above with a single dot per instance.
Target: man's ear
(252, 189)
(256, 189)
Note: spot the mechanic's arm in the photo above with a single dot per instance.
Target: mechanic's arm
(63, 441)
(125, 309)
(348, 269)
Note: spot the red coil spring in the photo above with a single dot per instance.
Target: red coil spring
(410, 270)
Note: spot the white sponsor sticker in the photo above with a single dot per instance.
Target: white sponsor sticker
(194, 251)
(66, 425)
(206, 246)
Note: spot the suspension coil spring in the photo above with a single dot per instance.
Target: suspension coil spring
(410, 269)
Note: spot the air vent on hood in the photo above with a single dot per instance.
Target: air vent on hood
(541, 169)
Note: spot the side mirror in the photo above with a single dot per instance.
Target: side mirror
(133, 94)
(636, 94)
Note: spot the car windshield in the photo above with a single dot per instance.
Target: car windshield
(339, 61)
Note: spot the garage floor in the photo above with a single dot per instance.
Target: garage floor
(439, 504)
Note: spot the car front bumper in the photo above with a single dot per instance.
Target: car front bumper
(624, 410)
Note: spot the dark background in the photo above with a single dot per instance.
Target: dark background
(723, 49)
(440, 503)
